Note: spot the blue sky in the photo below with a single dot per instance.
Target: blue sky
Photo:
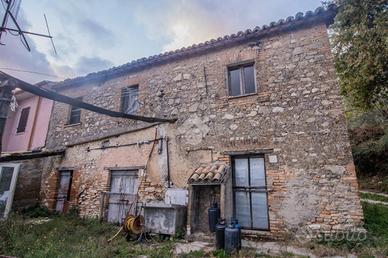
(93, 35)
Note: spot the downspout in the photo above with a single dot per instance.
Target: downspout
(34, 123)
(168, 165)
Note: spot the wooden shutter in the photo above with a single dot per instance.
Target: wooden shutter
(23, 120)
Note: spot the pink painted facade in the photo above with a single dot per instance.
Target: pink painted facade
(34, 135)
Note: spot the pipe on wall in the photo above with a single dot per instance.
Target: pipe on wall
(168, 165)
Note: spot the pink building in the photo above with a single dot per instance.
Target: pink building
(26, 128)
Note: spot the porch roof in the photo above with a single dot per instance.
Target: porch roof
(210, 173)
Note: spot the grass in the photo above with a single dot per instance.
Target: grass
(374, 197)
(69, 236)
(375, 244)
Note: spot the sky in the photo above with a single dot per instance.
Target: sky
(92, 35)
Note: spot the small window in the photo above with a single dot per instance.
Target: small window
(241, 80)
(130, 99)
(23, 120)
(75, 114)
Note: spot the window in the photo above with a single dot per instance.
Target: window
(250, 192)
(75, 114)
(23, 120)
(241, 80)
(130, 99)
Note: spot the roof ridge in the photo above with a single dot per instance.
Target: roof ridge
(230, 38)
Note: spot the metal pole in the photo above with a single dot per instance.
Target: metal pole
(5, 17)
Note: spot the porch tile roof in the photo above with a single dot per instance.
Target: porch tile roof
(211, 173)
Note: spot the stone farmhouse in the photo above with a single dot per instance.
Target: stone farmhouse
(260, 130)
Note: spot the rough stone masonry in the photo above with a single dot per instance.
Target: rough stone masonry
(295, 119)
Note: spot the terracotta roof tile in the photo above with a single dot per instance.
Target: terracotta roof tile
(320, 14)
(209, 173)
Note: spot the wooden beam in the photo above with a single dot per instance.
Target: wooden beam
(78, 103)
(31, 155)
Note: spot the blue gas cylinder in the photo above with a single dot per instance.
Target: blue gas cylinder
(238, 226)
(231, 238)
(214, 215)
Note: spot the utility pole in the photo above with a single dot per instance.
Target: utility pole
(5, 99)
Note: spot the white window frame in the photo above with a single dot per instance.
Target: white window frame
(12, 187)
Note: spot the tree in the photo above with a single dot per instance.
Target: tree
(360, 45)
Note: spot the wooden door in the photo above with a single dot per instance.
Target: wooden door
(63, 190)
(122, 194)
(8, 177)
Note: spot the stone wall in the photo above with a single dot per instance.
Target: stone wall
(295, 119)
(28, 191)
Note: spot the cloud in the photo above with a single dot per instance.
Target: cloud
(181, 22)
(97, 33)
(14, 56)
(87, 65)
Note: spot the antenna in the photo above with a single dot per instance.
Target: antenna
(12, 8)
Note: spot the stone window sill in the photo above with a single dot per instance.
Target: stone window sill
(242, 96)
(72, 125)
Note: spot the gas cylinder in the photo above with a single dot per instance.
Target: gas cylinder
(231, 238)
(238, 226)
(214, 214)
(220, 234)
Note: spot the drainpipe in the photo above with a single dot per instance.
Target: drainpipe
(168, 164)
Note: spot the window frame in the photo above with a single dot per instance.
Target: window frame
(122, 98)
(70, 113)
(26, 122)
(240, 66)
(258, 189)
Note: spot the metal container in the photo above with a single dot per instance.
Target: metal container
(162, 218)
(214, 214)
(220, 235)
(238, 226)
(231, 238)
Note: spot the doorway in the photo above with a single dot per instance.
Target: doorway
(8, 177)
(122, 194)
(64, 189)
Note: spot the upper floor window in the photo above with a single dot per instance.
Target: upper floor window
(241, 80)
(75, 114)
(23, 120)
(130, 99)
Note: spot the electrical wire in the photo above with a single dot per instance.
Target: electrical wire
(27, 71)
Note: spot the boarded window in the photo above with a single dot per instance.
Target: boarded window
(250, 192)
(75, 114)
(130, 99)
(23, 120)
(241, 80)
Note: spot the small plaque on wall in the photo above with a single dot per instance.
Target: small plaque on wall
(273, 159)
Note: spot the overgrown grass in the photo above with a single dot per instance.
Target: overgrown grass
(69, 236)
(374, 197)
(374, 245)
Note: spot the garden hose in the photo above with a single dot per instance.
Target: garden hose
(132, 224)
